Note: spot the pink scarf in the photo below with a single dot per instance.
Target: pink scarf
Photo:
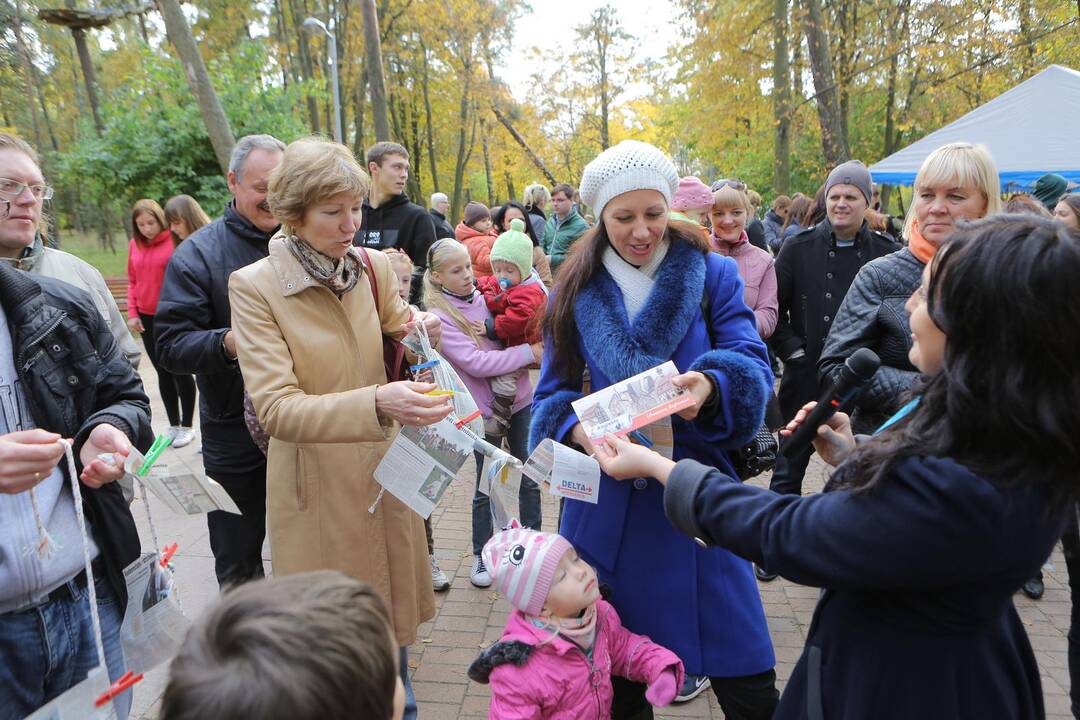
(725, 247)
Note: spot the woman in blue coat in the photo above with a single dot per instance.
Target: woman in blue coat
(635, 293)
(926, 530)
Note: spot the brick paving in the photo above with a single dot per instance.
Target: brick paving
(468, 619)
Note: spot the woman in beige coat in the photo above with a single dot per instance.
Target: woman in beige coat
(309, 340)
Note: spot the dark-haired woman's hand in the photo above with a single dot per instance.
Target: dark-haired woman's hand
(834, 441)
(579, 436)
(697, 385)
(409, 404)
(538, 352)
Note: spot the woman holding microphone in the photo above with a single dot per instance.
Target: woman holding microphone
(925, 530)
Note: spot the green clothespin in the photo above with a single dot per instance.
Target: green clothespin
(160, 443)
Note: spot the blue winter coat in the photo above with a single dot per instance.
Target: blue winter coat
(701, 603)
(917, 618)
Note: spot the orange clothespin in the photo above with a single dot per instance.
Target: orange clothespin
(466, 420)
(166, 554)
(126, 681)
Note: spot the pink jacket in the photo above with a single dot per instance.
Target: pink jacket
(146, 272)
(536, 677)
(476, 365)
(759, 278)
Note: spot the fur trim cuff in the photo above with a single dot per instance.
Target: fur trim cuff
(501, 653)
(746, 390)
(549, 414)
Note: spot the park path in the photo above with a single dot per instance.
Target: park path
(468, 618)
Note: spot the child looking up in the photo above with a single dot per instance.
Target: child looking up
(450, 293)
(562, 643)
(516, 297)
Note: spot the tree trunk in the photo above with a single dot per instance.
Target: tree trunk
(781, 100)
(605, 99)
(373, 50)
(511, 193)
(796, 51)
(833, 143)
(488, 179)
(88, 78)
(28, 75)
(217, 125)
(425, 82)
(307, 68)
(525, 146)
(358, 100)
(459, 165)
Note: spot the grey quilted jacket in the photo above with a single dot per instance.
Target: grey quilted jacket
(873, 316)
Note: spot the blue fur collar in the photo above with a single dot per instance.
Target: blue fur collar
(622, 350)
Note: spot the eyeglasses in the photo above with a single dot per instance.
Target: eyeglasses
(11, 189)
(736, 184)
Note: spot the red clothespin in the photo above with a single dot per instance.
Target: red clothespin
(166, 554)
(126, 681)
(466, 420)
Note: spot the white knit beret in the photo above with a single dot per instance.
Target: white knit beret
(628, 166)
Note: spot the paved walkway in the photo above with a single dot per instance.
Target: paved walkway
(468, 619)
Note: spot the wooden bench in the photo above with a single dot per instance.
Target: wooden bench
(118, 286)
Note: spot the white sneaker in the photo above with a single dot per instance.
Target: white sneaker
(183, 436)
(439, 581)
(480, 577)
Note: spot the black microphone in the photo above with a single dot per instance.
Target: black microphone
(857, 371)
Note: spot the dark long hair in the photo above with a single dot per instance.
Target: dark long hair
(581, 264)
(1005, 403)
(500, 213)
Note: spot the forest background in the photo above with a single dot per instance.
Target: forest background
(774, 92)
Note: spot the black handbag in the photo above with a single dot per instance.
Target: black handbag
(758, 455)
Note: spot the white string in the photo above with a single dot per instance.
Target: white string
(46, 546)
(92, 591)
(158, 547)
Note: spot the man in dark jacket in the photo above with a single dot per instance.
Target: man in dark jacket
(440, 205)
(389, 219)
(813, 272)
(194, 336)
(61, 376)
(873, 316)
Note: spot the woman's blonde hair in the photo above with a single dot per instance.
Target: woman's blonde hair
(149, 207)
(536, 196)
(441, 253)
(958, 164)
(398, 258)
(186, 208)
(312, 170)
(728, 196)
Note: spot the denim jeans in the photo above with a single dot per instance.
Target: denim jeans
(528, 498)
(50, 648)
(410, 699)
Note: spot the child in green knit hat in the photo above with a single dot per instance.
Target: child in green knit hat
(516, 297)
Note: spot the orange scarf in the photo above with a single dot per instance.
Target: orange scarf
(920, 247)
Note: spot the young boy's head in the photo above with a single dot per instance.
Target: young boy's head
(478, 217)
(540, 573)
(511, 255)
(403, 267)
(308, 646)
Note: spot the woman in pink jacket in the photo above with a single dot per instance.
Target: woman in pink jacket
(562, 643)
(148, 255)
(450, 293)
(730, 211)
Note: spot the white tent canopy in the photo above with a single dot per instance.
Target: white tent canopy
(1030, 130)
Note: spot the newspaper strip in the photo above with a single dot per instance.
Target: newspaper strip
(633, 403)
(184, 494)
(153, 627)
(77, 703)
(422, 462)
(501, 482)
(566, 472)
(445, 377)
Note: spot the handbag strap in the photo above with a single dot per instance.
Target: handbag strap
(373, 282)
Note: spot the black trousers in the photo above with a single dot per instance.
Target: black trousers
(1070, 545)
(177, 391)
(750, 697)
(237, 540)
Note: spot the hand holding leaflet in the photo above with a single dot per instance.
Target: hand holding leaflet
(633, 403)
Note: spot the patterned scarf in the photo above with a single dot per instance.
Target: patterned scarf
(338, 275)
(580, 630)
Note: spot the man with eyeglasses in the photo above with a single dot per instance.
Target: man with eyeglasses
(23, 192)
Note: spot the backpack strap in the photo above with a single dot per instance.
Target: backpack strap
(371, 276)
